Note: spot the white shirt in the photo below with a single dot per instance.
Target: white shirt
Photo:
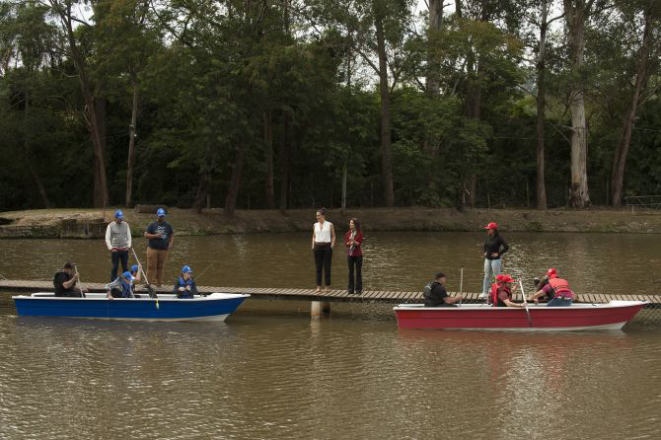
(322, 233)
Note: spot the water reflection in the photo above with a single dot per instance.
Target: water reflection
(271, 372)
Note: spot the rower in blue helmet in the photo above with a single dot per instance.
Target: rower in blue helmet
(121, 286)
(135, 273)
(185, 286)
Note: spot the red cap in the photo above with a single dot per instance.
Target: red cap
(492, 225)
(552, 271)
(499, 277)
(507, 279)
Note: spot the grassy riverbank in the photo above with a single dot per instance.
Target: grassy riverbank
(90, 223)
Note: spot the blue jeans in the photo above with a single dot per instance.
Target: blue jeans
(491, 269)
(559, 302)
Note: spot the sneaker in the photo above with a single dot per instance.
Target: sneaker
(483, 296)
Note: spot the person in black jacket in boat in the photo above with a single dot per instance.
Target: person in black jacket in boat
(435, 294)
(65, 281)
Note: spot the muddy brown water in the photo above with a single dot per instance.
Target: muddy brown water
(270, 372)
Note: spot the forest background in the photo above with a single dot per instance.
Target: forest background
(305, 103)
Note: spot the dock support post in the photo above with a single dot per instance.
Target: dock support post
(315, 309)
(319, 308)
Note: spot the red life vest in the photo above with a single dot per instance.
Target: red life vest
(561, 288)
(494, 294)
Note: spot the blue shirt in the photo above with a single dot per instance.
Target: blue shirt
(160, 228)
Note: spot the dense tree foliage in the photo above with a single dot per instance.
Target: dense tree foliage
(303, 103)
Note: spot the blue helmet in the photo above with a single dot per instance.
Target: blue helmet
(186, 269)
(160, 212)
(134, 268)
(119, 214)
(128, 276)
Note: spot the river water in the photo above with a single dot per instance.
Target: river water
(270, 372)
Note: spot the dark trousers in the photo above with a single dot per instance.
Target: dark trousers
(357, 263)
(116, 257)
(116, 293)
(323, 256)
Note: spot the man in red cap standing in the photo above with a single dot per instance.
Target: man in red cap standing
(494, 248)
(555, 288)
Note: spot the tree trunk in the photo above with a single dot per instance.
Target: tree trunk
(100, 182)
(435, 22)
(386, 140)
(202, 193)
(541, 107)
(235, 180)
(344, 185)
(268, 149)
(620, 157)
(284, 172)
(28, 154)
(132, 136)
(575, 15)
(101, 198)
(473, 107)
(432, 89)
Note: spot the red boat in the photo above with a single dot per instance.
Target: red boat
(610, 316)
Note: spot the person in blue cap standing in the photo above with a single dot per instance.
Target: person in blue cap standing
(185, 286)
(118, 241)
(160, 236)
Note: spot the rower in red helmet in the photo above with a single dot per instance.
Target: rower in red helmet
(501, 292)
(557, 288)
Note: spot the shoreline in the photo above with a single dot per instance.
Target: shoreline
(91, 223)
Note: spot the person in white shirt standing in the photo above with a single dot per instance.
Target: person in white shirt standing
(323, 241)
(118, 241)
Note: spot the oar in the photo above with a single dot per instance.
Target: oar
(150, 289)
(461, 283)
(525, 303)
(80, 284)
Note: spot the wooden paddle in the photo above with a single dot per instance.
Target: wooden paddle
(80, 284)
(150, 289)
(461, 283)
(525, 303)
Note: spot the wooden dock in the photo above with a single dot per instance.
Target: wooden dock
(368, 296)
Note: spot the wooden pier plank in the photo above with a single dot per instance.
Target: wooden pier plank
(309, 294)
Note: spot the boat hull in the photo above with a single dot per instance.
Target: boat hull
(215, 307)
(611, 316)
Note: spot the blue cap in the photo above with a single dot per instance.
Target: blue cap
(119, 214)
(128, 275)
(186, 269)
(160, 212)
(134, 268)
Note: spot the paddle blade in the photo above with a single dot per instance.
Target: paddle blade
(152, 292)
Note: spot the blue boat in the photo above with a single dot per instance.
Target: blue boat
(213, 307)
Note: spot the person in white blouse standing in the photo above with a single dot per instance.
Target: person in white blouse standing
(323, 241)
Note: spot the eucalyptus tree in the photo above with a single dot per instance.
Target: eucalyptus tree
(641, 20)
(577, 17)
(74, 26)
(377, 30)
(126, 39)
(29, 42)
(481, 51)
(541, 20)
